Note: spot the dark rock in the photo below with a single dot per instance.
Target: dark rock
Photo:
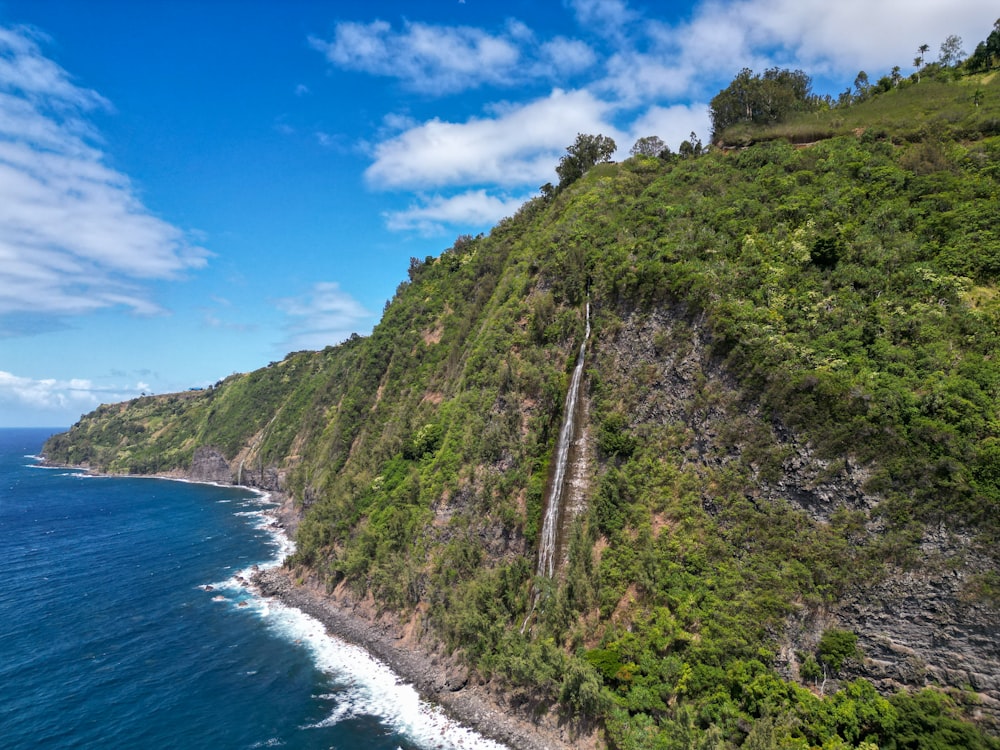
(209, 465)
(916, 626)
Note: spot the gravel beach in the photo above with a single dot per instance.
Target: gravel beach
(417, 658)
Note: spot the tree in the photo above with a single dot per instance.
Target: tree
(896, 75)
(837, 646)
(980, 59)
(587, 151)
(691, 147)
(861, 86)
(987, 54)
(762, 99)
(649, 145)
(810, 669)
(951, 51)
(918, 61)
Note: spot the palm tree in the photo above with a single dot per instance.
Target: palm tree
(918, 61)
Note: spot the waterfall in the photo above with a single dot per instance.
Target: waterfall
(251, 448)
(550, 523)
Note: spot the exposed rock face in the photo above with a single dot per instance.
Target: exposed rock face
(208, 465)
(916, 627)
(262, 477)
(920, 627)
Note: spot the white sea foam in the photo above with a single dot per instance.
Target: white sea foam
(273, 742)
(367, 686)
(64, 471)
(264, 520)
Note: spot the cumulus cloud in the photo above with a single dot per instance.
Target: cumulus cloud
(74, 237)
(473, 208)
(830, 39)
(606, 17)
(325, 316)
(76, 395)
(627, 73)
(425, 57)
(449, 59)
(857, 33)
(518, 145)
(564, 57)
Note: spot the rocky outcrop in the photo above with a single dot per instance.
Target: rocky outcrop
(921, 627)
(209, 465)
(262, 477)
(917, 626)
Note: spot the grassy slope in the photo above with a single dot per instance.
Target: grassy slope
(936, 106)
(851, 290)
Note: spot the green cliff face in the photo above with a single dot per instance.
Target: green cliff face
(788, 474)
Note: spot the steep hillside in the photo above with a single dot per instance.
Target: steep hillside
(786, 475)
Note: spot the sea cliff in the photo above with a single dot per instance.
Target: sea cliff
(787, 506)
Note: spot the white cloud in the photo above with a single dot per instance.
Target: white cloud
(425, 57)
(473, 208)
(607, 17)
(565, 57)
(324, 317)
(394, 123)
(54, 395)
(821, 38)
(25, 70)
(635, 78)
(519, 145)
(853, 34)
(74, 237)
(646, 74)
(448, 59)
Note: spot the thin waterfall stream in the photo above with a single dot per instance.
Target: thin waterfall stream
(553, 506)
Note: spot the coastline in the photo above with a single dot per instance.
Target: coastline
(439, 678)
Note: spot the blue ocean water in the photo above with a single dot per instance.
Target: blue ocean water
(122, 626)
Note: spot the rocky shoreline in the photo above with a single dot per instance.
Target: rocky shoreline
(438, 678)
(417, 658)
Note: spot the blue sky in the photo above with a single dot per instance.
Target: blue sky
(194, 188)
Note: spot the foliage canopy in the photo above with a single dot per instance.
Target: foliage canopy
(761, 99)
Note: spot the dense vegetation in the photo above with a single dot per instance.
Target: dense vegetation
(847, 290)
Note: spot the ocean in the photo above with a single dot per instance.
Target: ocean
(123, 625)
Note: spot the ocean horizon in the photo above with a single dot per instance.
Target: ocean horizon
(126, 623)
